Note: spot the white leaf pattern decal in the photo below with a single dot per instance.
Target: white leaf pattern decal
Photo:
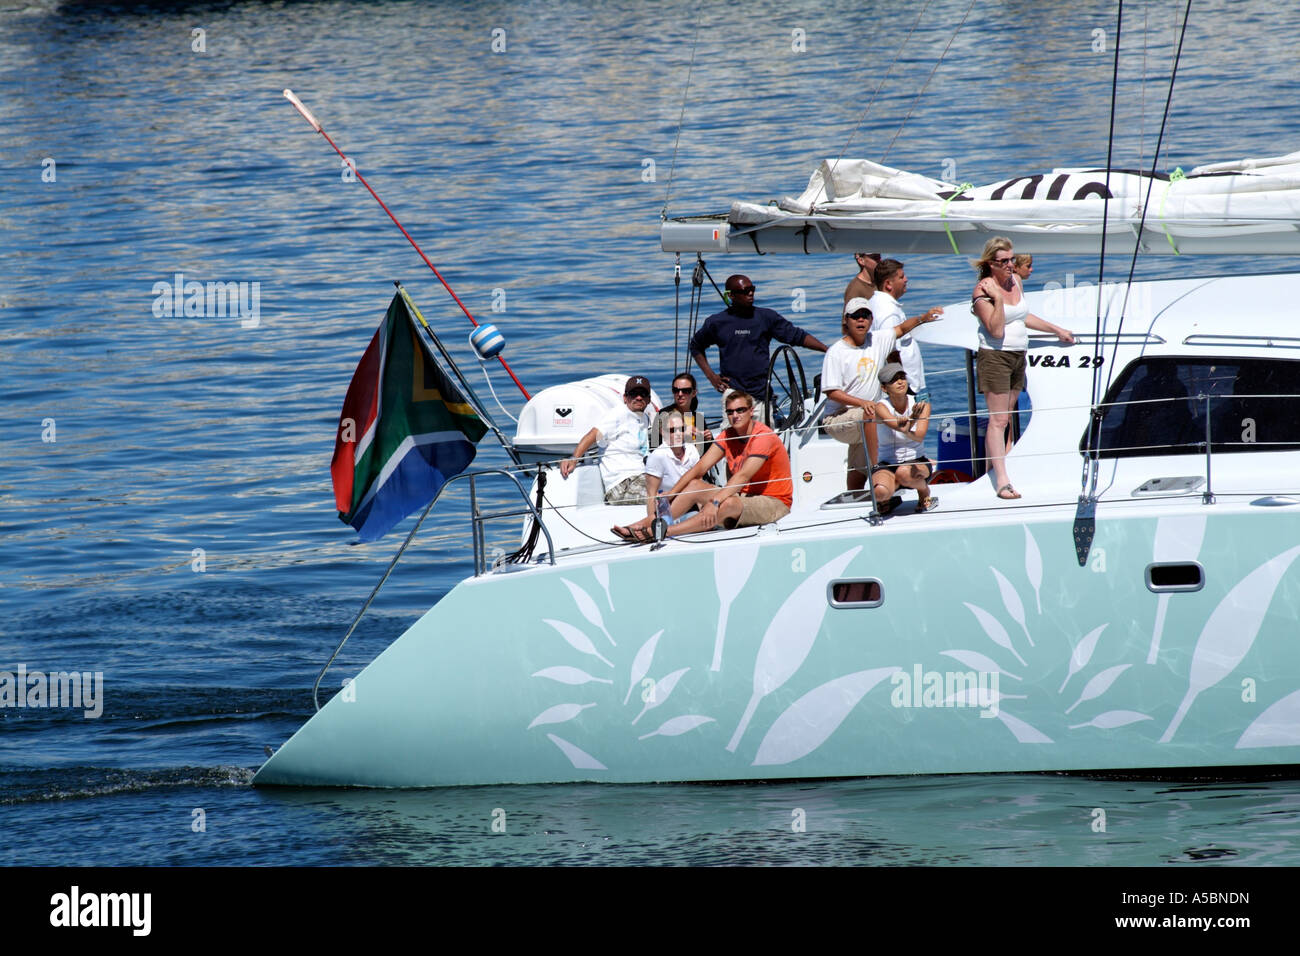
(601, 571)
(731, 569)
(1279, 726)
(587, 607)
(1112, 719)
(996, 632)
(577, 640)
(577, 756)
(978, 662)
(810, 720)
(1011, 601)
(1034, 567)
(662, 689)
(570, 675)
(1024, 733)
(1176, 539)
(1099, 684)
(558, 714)
(677, 726)
(980, 697)
(1231, 631)
(1082, 654)
(790, 636)
(641, 664)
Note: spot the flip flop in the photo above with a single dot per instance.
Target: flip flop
(1007, 487)
(642, 535)
(626, 534)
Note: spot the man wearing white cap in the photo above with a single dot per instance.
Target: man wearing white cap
(851, 387)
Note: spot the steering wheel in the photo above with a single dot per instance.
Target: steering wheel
(786, 389)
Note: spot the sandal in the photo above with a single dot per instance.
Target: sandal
(624, 534)
(1005, 497)
(642, 535)
(928, 503)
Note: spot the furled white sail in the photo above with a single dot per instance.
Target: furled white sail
(1248, 206)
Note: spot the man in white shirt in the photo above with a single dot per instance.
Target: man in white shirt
(891, 284)
(624, 438)
(851, 386)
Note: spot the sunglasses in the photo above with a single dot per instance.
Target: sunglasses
(682, 391)
(748, 290)
(731, 412)
(676, 431)
(1003, 262)
(637, 393)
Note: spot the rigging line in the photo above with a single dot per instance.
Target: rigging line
(668, 190)
(862, 119)
(1155, 158)
(924, 85)
(1091, 471)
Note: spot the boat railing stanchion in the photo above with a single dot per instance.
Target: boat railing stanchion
(874, 517)
(1207, 497)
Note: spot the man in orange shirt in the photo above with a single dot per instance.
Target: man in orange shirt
(758, 489)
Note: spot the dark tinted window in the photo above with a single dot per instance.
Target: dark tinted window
(1158, 407)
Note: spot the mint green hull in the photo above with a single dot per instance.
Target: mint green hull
(547, 676)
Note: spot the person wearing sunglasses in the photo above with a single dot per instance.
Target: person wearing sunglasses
(686, 403)
(664, 468)
(1004, 322)
(901, 424)
(623, 435)
(851, 386)
(758, 489)
(743, 333)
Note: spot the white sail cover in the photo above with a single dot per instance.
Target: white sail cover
(1248, 206)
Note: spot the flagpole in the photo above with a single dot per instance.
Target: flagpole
(315, 124)
(470, 394)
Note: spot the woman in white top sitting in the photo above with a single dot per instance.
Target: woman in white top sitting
(901, 424)
(999, 303)
(663, 469)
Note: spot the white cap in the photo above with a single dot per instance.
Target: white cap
(853, 305)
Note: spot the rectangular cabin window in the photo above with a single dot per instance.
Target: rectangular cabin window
(855, 592)
(1153, 407)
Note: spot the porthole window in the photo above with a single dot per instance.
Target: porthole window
(855, 592)
(1175, 576)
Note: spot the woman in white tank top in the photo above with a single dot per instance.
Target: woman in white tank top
(1005, 320)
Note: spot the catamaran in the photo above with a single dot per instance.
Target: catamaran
(1136, 609)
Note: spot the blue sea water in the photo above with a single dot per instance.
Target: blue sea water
(165, 506)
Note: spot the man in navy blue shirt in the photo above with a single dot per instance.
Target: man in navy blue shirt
(742, 334)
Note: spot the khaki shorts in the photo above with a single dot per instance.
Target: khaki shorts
(758, 509)
(1000, 372)
(846, 427)
(629, 491)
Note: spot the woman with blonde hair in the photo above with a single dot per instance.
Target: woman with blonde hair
(1005, 320)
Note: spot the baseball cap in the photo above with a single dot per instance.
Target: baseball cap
(636, 381)
(890, 372)
(853, 305)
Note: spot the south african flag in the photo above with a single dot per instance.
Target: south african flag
(405, 429)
